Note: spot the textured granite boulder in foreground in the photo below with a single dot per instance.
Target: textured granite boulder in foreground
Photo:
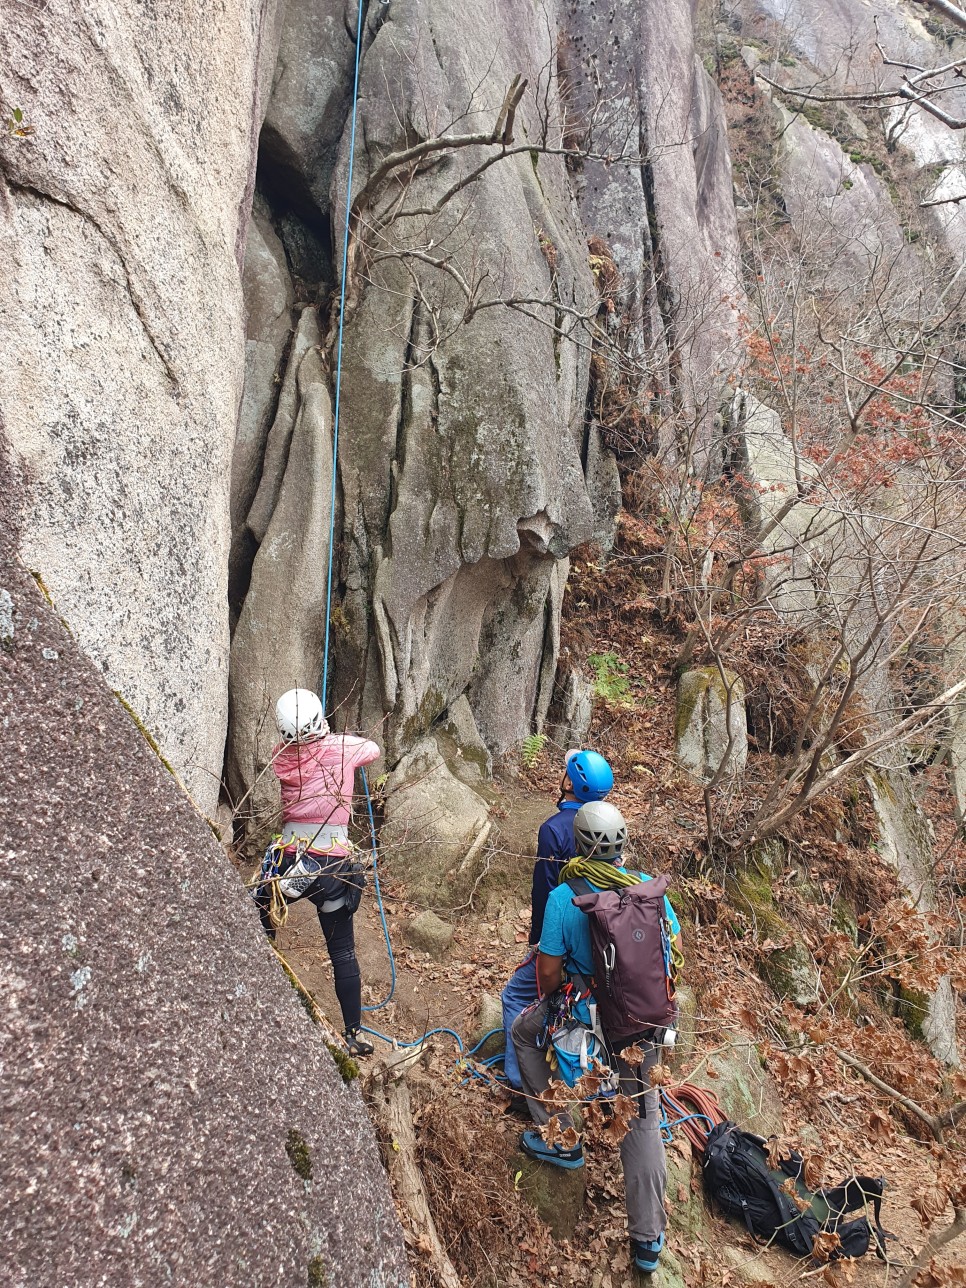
(170, 1114)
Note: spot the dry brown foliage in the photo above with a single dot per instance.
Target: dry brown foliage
(481, 1217)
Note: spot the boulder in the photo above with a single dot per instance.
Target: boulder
(431, 822)
(489, 1017)
(155, 1057)
(711, 731)
(430, 934)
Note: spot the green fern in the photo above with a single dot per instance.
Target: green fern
(532, 749)
(611, 681)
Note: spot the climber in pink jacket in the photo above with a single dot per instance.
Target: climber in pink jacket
(316, 770)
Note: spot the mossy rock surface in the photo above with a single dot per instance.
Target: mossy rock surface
(705, 724)
(746, 1090)
(556, 1194)
(669, 1273)
(789, 970)
(685, 1215)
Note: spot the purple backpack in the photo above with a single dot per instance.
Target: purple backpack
(630, 937)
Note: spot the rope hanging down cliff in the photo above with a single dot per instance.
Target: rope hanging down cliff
(323, 692)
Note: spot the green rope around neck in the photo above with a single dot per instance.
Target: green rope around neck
(599, 872)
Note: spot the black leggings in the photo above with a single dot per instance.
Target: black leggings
(341, 943)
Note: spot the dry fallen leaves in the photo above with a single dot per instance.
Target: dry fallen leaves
(936, 1276)
(788, 1187)
(813, 1171)
(929, 1203)
(775, 1152)
(825, 1243)
(554, 1133)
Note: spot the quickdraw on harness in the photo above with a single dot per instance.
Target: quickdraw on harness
(572, 1047)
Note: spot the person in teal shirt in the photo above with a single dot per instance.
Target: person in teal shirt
(566, 936)
(565, 949)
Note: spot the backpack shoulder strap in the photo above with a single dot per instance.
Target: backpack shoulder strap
(853, 1194)
(580, 885)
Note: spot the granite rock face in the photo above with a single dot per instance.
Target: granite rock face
(125, 212)
(462, 484)
(833, 44)
(470, 460)
(170, 1112)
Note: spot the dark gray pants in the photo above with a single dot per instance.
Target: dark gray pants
(642, 1149)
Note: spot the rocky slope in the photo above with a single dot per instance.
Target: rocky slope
(170, 1112)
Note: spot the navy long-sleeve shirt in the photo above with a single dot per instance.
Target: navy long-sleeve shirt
(555, 846)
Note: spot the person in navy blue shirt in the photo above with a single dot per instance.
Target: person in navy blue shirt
(587, 777)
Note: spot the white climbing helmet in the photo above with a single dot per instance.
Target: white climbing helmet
(600, 831)
(298, 715)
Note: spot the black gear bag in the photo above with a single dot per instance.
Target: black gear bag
(738, 1178)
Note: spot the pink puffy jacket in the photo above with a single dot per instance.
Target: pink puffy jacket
(317, 778)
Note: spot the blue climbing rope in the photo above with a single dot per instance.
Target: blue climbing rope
(324, 688)
(338, 364)
(337, 409)
(463, 1056)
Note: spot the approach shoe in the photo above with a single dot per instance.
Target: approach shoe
(645, 1253)
(533, 1144)
(356, 1043)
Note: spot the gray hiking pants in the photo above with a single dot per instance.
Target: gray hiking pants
(642, 1149)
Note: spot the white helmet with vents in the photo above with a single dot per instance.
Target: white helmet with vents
(298, 715)
(600, 831)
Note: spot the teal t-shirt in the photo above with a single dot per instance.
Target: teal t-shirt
(566, 934)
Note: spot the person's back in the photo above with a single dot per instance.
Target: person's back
(566, 950)
(316, 772)
(587, 776)
(317, 778)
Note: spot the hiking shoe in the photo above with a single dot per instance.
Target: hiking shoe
(533, 1144)
(356, 1043)
(644, 1253)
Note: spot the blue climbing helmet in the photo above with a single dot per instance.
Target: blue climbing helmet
(590, 775)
